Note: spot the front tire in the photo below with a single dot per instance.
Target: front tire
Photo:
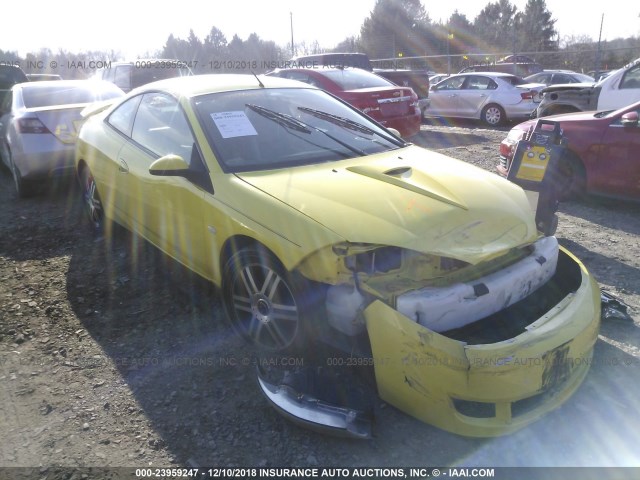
(493, 115)
(263, 302)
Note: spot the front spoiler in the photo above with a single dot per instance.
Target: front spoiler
(306, 409)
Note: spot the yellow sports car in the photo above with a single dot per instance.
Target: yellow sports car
(328, 233)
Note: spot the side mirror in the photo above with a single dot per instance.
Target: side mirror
(629, 119)
(395, 132)
(169, 165)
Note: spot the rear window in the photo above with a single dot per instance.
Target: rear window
(355, 79)
(37, 96)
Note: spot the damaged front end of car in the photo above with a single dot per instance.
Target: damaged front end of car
(476, 349)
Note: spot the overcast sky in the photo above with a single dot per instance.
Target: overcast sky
(138, 27)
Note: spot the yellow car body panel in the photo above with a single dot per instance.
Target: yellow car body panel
(424, 373)
(427, 210)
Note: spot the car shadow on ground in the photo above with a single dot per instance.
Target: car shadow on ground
(164, 332)
(446, 139)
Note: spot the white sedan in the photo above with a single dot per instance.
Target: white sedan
(489, 96)
(39, 124)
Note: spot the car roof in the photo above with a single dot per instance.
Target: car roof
(488, 74)
(195, 85)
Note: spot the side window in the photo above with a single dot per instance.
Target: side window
(631, 79)
(452, 84)
(122, 117)
(161, 127)
(562, 78)
(476, 82)
(546, 79)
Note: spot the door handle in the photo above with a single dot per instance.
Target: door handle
(123, 167)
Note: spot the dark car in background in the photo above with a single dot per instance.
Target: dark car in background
(602, 151)
(418, 80)
(130, 75)
(9, 76)
(391, 105)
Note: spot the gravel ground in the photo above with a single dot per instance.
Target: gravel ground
(113, 355)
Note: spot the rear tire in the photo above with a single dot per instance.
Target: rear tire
(493, 115)
(24, 188)
(93, 207)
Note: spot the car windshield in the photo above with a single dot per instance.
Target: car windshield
(38, 95)
(252, 130)
(354, 79)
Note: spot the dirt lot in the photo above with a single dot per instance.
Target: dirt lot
(112, 355)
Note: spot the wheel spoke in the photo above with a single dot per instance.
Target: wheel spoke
(255, 327)
(248, 280)
(277, 335)
(272, 279)
(242, 303)
(284, 312)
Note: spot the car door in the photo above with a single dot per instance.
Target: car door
(474, 94)
(623, 92)
(111, 171)
(618, 160)
(445, 97)
(168, 209)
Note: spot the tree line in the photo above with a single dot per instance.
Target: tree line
(399, 30)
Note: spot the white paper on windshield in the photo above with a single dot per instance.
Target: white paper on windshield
(233, 124)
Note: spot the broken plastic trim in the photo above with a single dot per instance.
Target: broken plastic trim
(613, 307)
(310, 412)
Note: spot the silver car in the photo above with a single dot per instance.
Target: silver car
(489, 96)
(39, 123)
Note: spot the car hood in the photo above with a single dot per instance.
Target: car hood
(411, 198)
(563, 118)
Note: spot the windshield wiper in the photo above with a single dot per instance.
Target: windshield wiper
(295, 124)
(346, 123)
(281, 118)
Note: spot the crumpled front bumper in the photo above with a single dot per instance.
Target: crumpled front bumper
(486, 389)
(472, 387)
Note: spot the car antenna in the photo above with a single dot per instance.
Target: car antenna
(259, 82)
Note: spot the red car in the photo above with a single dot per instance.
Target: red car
(602, 155)
(388, 104)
